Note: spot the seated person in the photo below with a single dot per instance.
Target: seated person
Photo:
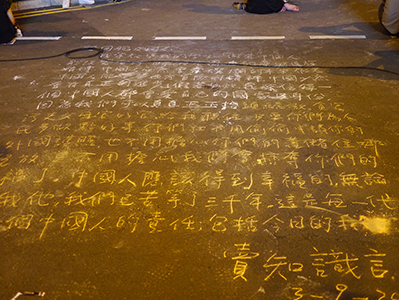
(8, 28)
(265, 6)
(389, 17)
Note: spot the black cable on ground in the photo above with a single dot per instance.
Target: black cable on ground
(99, 52)
(254, 65)
(68, 54)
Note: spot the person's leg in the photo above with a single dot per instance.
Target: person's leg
(11, 16)
(12, 19)
(380, 13)
(389, 16)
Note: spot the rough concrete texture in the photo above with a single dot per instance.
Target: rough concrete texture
(255, 160)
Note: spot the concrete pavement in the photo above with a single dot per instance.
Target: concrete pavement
(187, 150)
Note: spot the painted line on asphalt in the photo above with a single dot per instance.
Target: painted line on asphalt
(115, 38)
(245, 38)
(39, 38)
(336, 37)
(171, 38)
(180, 38)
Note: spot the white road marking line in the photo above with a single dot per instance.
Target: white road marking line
(170, 38)
(115, 38)
(243, 38)
(179, 38)
(39, 38)
(336, 37)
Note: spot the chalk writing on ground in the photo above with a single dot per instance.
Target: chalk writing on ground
(221, 152)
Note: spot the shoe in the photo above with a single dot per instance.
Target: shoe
(239, 6)
(11, 42)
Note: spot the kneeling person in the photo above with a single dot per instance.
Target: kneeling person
(8, 29)
(266, 6)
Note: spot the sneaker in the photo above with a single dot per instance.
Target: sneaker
(12, 41)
